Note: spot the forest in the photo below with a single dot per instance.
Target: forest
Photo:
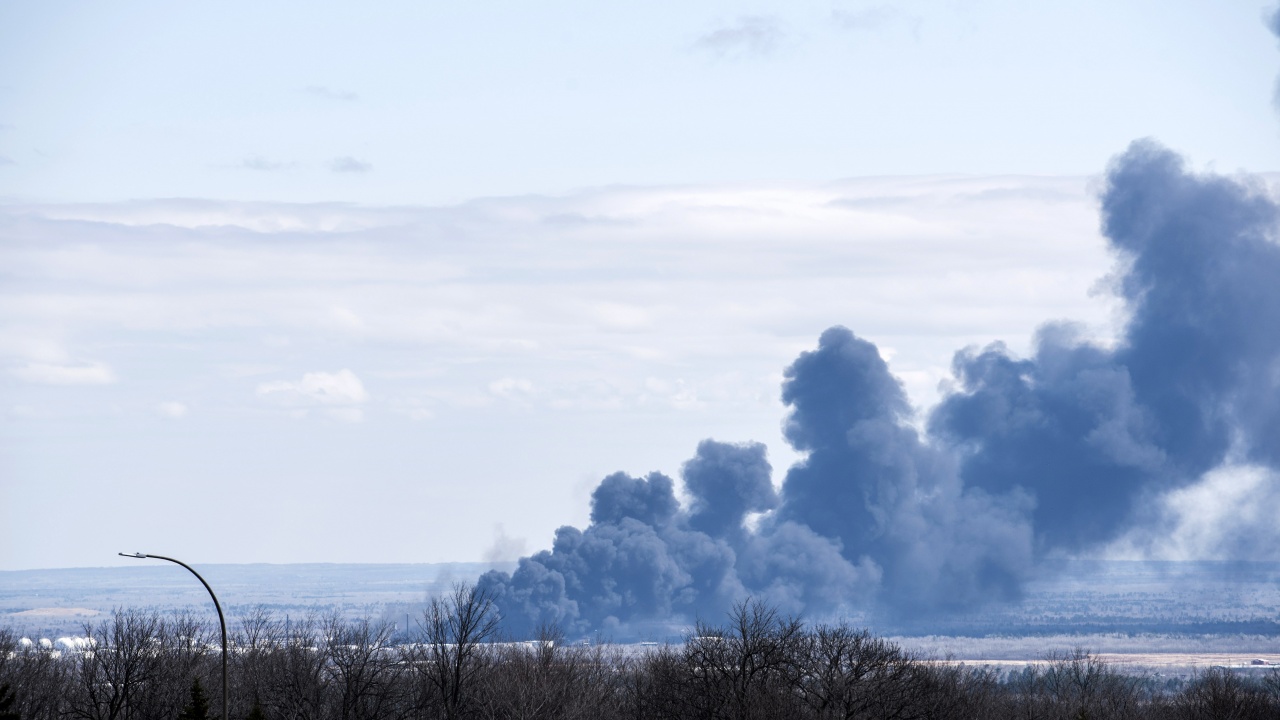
(754, 663)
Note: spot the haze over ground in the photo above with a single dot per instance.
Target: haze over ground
(432, 274)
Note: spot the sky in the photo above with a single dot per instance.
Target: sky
(326, 283)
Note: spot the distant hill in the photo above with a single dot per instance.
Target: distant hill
(61, 600)
(1191, 598)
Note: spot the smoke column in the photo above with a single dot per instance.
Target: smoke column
(1056, 453)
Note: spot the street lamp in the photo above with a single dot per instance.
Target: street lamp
(221, 620)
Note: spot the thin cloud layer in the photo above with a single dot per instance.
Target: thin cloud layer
(666, 317)
(262, 164)
(748, 35)
(321, 388)
(172, 409)
(875, 17)
(44, 373)
(348, 164)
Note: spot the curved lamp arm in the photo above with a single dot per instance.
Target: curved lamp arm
(221, 619)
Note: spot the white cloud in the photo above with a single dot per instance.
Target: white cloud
(748, 35)
(319, 388)
(60, 374)
(677, 394)
(257, 162)
(875, 18)
(695, 277)
(172, 409)
(669, 323)
(348, 164)
(258, 217)
(623, 317)
(510, 387)
(413, 408)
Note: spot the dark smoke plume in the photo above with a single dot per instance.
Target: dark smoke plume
(1054, 454)
(1094, 433)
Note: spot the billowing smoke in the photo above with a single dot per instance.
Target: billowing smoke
(1058, 453)
(645, 558)
(1093, 433)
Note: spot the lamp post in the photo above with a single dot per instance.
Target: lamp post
(221, 620)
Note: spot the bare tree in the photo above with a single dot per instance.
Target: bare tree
(1219, 694)
(748, 669)
(756, 665)
(118, 679)
(363, 667)
(850, 674)
(946, 691)
(297, 683)
(1077, 684)
(451, 655)
(36, 675)
(185, 644)
(1271, 683)
(546, 678)
(258, 638)
(655, 685)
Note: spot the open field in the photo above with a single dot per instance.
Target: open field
(1196, 660)
(1138, 662)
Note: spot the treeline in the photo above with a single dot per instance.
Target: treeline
(756, 664)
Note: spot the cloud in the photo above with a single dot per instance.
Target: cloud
(319, 388)
(62, 374)
(255, 217)
(348, 164)
(875, 18)
(4, 160)
(331, 93)
(258, 162)
(736, 280)
(1059, 440)
(649, 314)
(748, 35)
(510, 387)
(172, 409)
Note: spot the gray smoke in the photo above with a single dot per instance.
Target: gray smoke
(1060, 452)
(1095, 433)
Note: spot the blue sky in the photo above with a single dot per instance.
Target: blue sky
(442, 102)
(403, 283)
